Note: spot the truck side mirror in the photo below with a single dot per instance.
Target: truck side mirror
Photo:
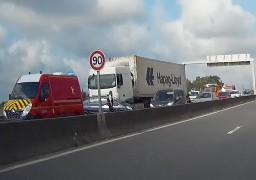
(10, 96)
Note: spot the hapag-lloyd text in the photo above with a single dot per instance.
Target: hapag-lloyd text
(169, 80)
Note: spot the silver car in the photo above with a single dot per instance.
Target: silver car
(91, 106)
(205, 96)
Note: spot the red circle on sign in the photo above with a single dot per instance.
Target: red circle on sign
(101, 54)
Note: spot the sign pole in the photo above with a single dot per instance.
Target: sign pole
(97, 62)
(99, 93)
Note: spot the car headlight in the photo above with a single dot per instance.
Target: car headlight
(170, 104)
(151, 105)
(26, 109)
(128, 107)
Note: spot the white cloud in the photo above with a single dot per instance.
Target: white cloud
(36, 56)
(26, 56)
(128, 37)
(77, 32)
(60, 39)
(57, 7)
(219, 18)
(2, 35)
(81, 69)
(104, 12)
(113, 9)
(209, 27)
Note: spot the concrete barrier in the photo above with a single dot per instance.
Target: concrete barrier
(126, 122)
(21, 140)
(25, 139)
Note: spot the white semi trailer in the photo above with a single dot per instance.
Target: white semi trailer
(136, 79)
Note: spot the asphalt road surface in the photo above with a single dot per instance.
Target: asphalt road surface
(217, 146)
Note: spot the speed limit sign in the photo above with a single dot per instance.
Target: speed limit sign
(97, 60)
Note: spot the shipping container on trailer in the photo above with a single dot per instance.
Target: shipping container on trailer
(136, 79)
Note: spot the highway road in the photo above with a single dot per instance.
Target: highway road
(216, 146)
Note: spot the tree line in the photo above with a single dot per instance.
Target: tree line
(199, 82)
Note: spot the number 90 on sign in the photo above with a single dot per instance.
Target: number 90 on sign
(97, 60)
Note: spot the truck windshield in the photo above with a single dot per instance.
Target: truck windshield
(27, 90)
(106, 81)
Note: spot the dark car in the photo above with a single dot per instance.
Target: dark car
(91, 106)
(224, 95)
(168, 97)
(247, 92)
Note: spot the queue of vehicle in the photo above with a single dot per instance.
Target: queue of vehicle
(216, 92)
(130, 79)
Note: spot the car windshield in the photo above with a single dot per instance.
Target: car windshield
(106, 81)
(234, 92)
(247, 91)
(204, 95)
(26, 90)
(193, 93)
(164, 96)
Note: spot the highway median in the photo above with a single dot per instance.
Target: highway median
(22, 140)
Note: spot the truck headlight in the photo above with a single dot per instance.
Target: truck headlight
(151, 105)
(170, 104)
(27, 109)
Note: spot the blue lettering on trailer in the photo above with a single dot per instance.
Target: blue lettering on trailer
(150, 76)
(168, 80)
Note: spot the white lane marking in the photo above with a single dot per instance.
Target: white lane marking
(234, 130)
(112, 140)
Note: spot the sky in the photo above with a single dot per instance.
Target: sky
(59, 35)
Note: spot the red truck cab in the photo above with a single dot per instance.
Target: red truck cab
(37, 96)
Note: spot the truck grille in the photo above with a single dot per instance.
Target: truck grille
(13, 114)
